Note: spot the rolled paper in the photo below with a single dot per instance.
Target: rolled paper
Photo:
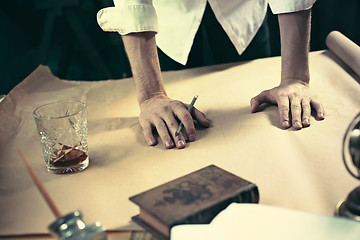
(345, 49)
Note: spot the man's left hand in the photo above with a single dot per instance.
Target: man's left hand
(295, 101)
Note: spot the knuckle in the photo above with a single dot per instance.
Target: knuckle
(176, 103)
(295, 106)
(188, 124)
(165, 109)
(173, 124)
(164, 136)
(306, 100)
(144, 122)
(283, 108)
(282, 95)
(294, 94)
(160, 125)
(185, 117)
(306, 107)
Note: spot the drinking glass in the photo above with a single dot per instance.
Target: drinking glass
(62, 127)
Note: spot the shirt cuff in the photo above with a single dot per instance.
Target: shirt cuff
(288, 6)
(129, 18)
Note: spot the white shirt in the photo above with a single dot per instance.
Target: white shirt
(177, 22)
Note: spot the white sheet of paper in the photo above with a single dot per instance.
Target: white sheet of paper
(257, 221)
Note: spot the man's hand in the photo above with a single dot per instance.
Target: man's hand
(293, 96)
(164, 114)
(295, 100)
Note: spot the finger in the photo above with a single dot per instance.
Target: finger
(180, 141)
(185, 117)
(147, 131)
(283, 106)
(296, 113)
(256, 101)
(172, 126)
(201, 118)
(164, 133)
(306, 112)
(320, 113)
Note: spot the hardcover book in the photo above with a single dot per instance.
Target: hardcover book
(195, 198)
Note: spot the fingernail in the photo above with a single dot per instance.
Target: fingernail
(192, 137)
(151, 142)
(306, 121)
(321, 115)
(169, 144)
(181, 143)
(286, 124)
(297, 124)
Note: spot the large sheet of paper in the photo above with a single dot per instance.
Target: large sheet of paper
(299, 170)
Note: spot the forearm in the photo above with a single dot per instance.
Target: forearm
(142, 53)
(295, 38)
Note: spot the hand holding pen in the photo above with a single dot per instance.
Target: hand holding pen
(181, 125)
(162, 114)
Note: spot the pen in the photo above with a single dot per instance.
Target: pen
(181, 125)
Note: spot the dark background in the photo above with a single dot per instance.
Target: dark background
(79, 49)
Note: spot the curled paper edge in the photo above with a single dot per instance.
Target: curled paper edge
(345, 49)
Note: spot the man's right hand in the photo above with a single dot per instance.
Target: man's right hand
(163, 114)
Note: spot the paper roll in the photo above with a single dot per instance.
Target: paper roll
(345, 49)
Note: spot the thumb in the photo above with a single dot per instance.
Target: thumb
(201, 118)
(256, 101)
(254, 104)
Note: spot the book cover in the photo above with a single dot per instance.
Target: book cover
(194, 198)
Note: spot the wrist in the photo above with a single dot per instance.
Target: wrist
(151, 96)
(290, 81)
(303, 77)
(295, 70)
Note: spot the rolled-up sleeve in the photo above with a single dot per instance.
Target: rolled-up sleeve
(128, 16)
(287, 6)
